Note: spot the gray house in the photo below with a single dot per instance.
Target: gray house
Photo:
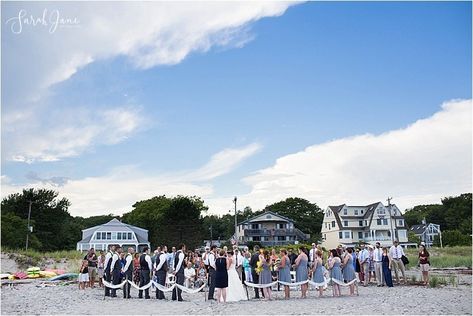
(113, 233)
(427, 232)
(270, 229)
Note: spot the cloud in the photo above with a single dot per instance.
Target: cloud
(224, 161)
(68, 132)
(118, 190)
(418, 164)
(147, 34)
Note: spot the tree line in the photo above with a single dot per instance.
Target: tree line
(171, 220)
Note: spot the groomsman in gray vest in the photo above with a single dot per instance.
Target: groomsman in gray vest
(179, 272)
(145, 270)
(128, 271)
(212, 271)
(161, 268)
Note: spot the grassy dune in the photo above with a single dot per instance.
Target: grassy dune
(448, 257)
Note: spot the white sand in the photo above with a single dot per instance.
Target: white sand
(30, 299)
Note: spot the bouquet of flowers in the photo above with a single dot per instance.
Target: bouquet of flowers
(259, 267)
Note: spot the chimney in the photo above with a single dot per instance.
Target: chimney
(423, 221)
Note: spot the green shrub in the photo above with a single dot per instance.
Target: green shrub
(434, 281)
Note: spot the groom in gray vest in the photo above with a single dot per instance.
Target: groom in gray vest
(179, 272)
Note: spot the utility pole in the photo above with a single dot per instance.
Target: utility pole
(391, 218)
(28, 227)
(211, 238)
(236, 238)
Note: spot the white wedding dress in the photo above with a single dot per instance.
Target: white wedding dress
(235, 291)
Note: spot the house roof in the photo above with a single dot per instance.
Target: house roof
(115, 225)
(264, 219)
(418, 229)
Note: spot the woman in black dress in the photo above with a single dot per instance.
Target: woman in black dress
(221, 276)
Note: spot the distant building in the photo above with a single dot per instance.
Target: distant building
(349, 225)
(270, 229)
(426, 232)
(113, 233)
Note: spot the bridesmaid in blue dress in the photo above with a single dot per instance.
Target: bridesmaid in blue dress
(265, 275)
(348, 270)
(301, 270)
(336, 272)
(388, 279)
(318, 276)
(284, 269)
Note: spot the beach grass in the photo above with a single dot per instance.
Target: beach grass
(447, 257)
(33, 257)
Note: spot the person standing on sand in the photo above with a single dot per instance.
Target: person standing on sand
(107, 265)
(179, 272)
(424, 263)
(161, 268)
(100, 267)
(221, 277)
(116, 269)
(212, 271)
(91, 257)
(128, 271)
(378, 264)
(253, 263)
(145, 269)
(387, 264)
(396, 252)
(302, 273)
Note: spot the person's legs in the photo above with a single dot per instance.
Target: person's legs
(255, 280)
(403, 271)
(378, 266)
(224, 295)
(211, 283)
(366, 271)
(180, 281)
(219, 294)
(395, 267)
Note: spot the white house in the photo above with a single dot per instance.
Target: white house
(427, 232)
(348, 225)
(113, 233)
(270, 229)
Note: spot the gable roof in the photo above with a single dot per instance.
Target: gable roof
(115, 225)
(419, 229)
(265, 219)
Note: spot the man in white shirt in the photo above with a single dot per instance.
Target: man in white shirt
(238, 262)
(312, 252)
(107, 265)
(378, 264)
(161, 268)
(189, 275)
(179, 272)
(363, 258)
(212, 272)
(205, 258)
(115, 269)
(396, 252)
(128, 271)
(146, 266)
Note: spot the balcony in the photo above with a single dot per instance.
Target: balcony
(276, 232)
(379, 238)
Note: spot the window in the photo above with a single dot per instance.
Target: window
(361, 212)
(281, 238)
(130, 236)
(401, 223)
(378, 221)
(356, 212)
(254, 226)
(389, 233)
(360, 235)
(109, 236)
(345, 211)
(366, 223)
(333, 223)
(98, 235)
(430, 238)
(119, 236)
(345, 223)
(367, 235)
(347, 235)
(256, 238)
(360, 223)
(340, 235)
(381, 211)
(104, 235)
(325, 236)
(281, 226)
(385, 221)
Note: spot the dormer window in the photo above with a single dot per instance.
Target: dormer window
(356, 212)
(345, 211)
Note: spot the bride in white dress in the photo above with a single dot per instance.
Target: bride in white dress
(235, 291)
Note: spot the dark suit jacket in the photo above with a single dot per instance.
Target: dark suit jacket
(253, 261)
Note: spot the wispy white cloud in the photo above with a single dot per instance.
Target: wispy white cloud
(68, 133)
(118, 190)
(147, 34)
(418, 164)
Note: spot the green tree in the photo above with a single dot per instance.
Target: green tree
(169, 221)
(14, 231)
(49, 214)
(412, 237)
(307, 216)
(453, 238)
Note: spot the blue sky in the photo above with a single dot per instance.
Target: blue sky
(317, 73)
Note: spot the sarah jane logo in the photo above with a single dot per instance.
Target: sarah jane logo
(52, 20)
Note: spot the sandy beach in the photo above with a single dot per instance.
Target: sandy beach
(67, 299)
